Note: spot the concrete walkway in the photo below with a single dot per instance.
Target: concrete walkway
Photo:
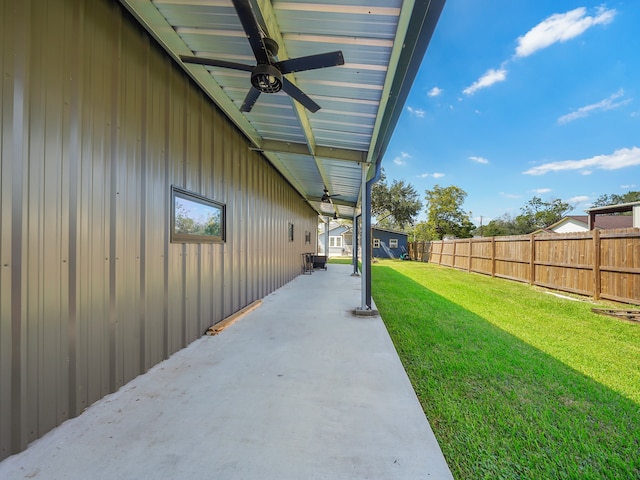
(297, 389)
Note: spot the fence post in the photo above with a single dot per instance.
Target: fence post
(597, 281)
(532, 260)
(453, 262)
(441, 248)
(469, 261)
(493, 256)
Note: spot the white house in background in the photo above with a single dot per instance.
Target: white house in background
(340, 239)
(580, 223)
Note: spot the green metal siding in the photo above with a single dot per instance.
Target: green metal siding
(96, 124)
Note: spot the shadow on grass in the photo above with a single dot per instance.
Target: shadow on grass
(499, 407)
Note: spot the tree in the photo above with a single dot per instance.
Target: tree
(419, 232)
(444, 213)
(538, 214)
(504, 225)
(394, 206)
(614, 199)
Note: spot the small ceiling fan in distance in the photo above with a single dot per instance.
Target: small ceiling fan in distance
(267, 76)
(326, 198)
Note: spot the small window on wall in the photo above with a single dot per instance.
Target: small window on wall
(376, 243)
(196, 219)
(291, 232)
(307, 237)
(393, 243)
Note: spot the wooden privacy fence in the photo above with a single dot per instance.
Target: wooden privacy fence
(599, 263)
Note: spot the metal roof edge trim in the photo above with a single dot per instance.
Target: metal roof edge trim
(423, 22)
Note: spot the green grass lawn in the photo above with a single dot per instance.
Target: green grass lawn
(516, 383)
(340, 260)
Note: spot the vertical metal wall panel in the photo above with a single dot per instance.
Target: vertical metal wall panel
(96, 124)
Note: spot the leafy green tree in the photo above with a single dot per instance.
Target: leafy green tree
(184, 222)
(445, 216)
(538, 214)
(394, 206)
(501, 226)
(419, 232)
(213, 227)
(614, 199)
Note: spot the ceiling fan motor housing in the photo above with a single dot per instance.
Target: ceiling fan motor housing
(266, 78)
(270, 46)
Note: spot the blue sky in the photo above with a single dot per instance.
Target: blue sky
(517, 99)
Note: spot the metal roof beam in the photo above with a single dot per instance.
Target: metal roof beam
(333, 153)
(334, 201)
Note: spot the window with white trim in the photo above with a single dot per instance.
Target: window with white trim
(376, 243)
(335, 241)
(393, 243)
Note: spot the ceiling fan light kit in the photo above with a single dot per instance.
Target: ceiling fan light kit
(266, 78)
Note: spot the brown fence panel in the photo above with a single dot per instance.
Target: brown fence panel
(482, 255)
(419, 251)
(620, 265)
(565, 262)
(446, 254)
(603, 264)
(461, 254)
(512, 258)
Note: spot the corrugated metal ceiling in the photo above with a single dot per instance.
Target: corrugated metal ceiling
(317, 150)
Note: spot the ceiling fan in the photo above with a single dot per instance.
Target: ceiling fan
(326, 198)
(267, 76)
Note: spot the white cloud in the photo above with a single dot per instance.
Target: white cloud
(417, 112)
(490, 77)
(622, 158)
(434, 92)
(578, 199)
(482, 160)
(434, 175)
(401, 159)
(626, 187)
(510, 195)
(606, 104)
(541, 190)
(561, 27)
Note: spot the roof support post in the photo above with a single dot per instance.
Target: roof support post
(354, 245)
(326, 238)
(365, 279)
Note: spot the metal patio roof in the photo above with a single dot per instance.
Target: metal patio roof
(383, 42)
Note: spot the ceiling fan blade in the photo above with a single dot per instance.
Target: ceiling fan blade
(252, 29)
(311, 62)
(250, 100)
(299, 96)
(211, 62)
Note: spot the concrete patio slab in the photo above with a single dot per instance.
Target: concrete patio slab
(298, 388)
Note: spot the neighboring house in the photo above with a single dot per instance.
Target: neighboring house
(568, 224)
(388, 243)
(340, 240)
(580, 223)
